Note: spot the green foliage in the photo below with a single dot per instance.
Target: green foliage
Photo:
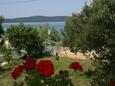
(89, 73)
(35, 53)
(1, 29)
(7, 80)
(43, 32)
(1, 35)
(46, 32)
(34, 79)
(23, 37)
(30, 38)
(54, 35)
(93, 29)
(7, 55)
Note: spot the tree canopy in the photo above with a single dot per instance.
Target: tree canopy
(23, 37)
(1, 29)
(94, 29)
(46, 32)
(31, 38)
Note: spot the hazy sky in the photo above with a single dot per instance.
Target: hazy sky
(24, 8)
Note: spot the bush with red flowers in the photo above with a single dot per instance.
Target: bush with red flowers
(41, 73)
(76, 66)
(29, 63)
(112, 83)
(45, 68)
(16, 71)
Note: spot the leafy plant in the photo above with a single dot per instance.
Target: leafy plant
(42, 73)
(7, 55)
(23, 37)
(93, 30)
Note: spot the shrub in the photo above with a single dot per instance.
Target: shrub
(42, 73)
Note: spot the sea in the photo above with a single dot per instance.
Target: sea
(58, 25)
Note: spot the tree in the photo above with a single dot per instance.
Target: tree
(93, 29)
(1, 35)
(24, 37)
(43, 32)
(1, 31)
(54, 35)
(46, 32)
(7, 55)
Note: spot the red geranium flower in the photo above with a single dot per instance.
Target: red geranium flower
(16, 71)
(75, 66)
(80, 68)
(45, 68)
(29, 63)
(112, 83)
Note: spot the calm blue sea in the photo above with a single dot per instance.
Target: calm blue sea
(58, 25)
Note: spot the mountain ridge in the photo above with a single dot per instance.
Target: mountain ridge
(36, 19)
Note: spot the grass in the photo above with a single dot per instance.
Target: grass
(77, 79)
(62, 64)
(5, 73)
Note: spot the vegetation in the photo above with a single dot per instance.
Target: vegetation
(46, 32)
(55, 35)
(79, 79)
(93, 29)
(31, 38)
(1, 31)
(7, 55)
(24, 37)
(1, 37)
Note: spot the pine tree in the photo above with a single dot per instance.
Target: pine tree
(94, 29)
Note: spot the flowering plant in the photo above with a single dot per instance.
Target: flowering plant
(112, 83)
(76, 66)
(16, 71)
(27, 65)
(42, 73)
(45, 68)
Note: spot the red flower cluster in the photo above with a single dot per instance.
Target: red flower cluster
(16, 71)
(45, 68)
(75, 66)
(112, 83)
(29, 63)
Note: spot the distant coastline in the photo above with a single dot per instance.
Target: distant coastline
(58, 25)
(36, 19)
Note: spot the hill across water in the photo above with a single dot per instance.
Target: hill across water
(36, 19)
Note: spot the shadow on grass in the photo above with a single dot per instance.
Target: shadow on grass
(88, 74)
(5, 69)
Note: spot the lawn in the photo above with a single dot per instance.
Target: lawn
(78, 79)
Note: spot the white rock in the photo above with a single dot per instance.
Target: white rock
(4, 64)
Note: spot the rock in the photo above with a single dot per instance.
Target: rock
(4, 64)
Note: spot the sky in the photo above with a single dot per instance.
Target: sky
(25, 8)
